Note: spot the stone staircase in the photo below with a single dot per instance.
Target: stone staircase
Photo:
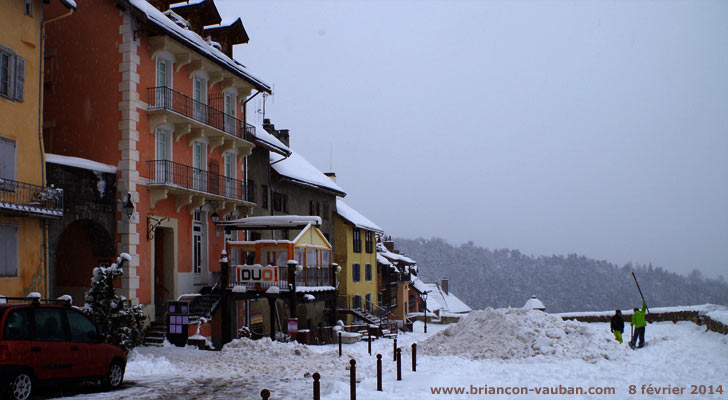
(154, 334)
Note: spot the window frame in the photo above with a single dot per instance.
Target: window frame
(368, 272)
(369, 241)
(15, 74)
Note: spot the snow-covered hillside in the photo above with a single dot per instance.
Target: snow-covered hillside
(546, 352)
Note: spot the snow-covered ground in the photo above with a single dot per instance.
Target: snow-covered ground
(533, 351)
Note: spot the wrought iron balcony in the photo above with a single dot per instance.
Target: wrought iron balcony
(27, 199)
(164, 98)
(168, 173)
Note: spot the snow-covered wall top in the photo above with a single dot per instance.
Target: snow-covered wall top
(80, 163)
(195, 41)
(353, 216)
(715, 312)
(299, 169)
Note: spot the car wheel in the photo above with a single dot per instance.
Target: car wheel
(114, 376)
(21, 385)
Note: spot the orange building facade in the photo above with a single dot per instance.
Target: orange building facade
(133, 86)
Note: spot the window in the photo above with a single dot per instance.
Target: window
(368, 236)
(12, 75)
(163, 151)
(229, 110)
(280, 202)
(357, 240)
(264, 196)
(29, 8)
(17, 324)
(368, 272)
(230, 181)
(356, 269)
(49, 324)
(356, 302)
(164, 83)
(314, 208)
(412, 302)
(368, 301)
(199, 94)
(197, 243)
(8, 250)
(7, 159)
(199, 177)
(81, 326)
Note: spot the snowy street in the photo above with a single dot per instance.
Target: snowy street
(678, 355)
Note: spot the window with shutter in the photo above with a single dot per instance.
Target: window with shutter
(19, 78)
(8, 250)
(7, 159)
(5, 73)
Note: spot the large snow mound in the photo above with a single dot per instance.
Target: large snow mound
(520, 333)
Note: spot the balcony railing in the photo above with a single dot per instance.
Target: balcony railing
(310, 276)
(165, 172)
(24, 198)
(164, 98)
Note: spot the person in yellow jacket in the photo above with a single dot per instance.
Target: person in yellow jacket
(639, 324)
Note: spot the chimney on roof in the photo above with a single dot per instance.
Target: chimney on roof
(331, 175)
(444, 285)
(284, 135)
(389, 244)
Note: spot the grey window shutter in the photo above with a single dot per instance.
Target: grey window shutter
(19, 78)
(7, 159)
(8, 250)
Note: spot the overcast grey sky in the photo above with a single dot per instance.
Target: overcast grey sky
(552, 127)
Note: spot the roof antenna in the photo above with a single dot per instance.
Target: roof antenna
(331, 157)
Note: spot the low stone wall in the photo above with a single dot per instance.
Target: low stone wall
(692, 316)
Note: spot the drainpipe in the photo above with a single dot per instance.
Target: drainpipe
(245, 128)
(44, 224)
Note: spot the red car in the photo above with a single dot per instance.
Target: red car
(50, 341)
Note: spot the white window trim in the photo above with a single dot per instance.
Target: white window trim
(170, 147)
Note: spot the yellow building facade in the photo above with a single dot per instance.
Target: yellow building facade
(25, 202)
(356, 254)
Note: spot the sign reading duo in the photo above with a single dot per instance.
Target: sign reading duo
(256, 274)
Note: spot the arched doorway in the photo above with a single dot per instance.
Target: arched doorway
(82, 246)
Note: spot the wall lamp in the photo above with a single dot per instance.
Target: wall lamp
(128, 206)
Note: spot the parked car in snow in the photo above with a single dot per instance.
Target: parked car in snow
(49, 341)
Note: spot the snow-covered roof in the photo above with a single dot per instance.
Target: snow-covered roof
(313, 289)
(273, 222)
(296, 168)
(195, 41)
(269, 141)
(438, 300)
(353, 216)
(381, 249)
(534, 303)
(80, 163)
(382, 260)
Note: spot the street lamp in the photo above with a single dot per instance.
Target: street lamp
(424, 298)
(129, 206)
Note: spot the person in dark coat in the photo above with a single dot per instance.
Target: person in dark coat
(617, 325)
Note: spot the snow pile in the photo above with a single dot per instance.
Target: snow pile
(143, 365)
(522, 333)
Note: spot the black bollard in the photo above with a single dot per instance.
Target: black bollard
(265, 394)
(352, 379)
(339, 344)
(394, 350)
(379, 372)
(316, 386)
(370, 345)
(414, 357)
(399, 364)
